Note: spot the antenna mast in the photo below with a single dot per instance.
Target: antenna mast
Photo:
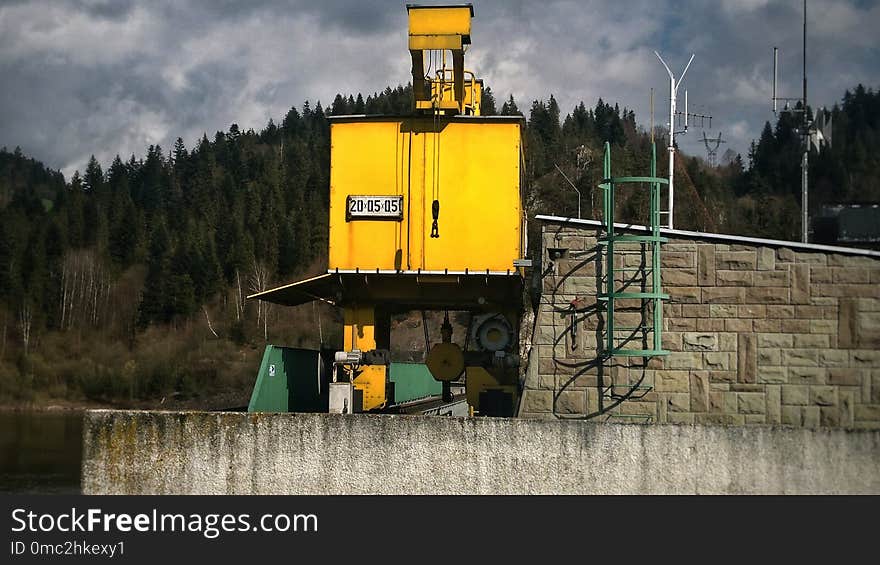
(807, 130)
(673, 92)
(805, 165)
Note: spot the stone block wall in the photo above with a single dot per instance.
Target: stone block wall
(757, 333)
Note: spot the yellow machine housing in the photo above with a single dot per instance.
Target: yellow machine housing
(439, 27)
(470, 165)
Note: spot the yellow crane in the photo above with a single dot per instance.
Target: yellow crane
(425, 214)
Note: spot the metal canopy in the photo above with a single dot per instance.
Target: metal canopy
(296, 293)
(404, 290)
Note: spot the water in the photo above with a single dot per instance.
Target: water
(40, 452)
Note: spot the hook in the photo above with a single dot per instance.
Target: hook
(435, 212)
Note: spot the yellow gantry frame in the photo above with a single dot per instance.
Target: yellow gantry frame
(360, 333)
(443, 95)
(440, 28)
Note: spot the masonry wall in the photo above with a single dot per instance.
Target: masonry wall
(757, 334)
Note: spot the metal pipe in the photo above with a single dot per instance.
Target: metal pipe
(805, 58)
(805, 169)
(671, 148)
(685, 110)
(685, 71)
(805, 227)
(775, 77)
(736, 239)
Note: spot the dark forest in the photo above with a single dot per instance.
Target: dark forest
(126, 283)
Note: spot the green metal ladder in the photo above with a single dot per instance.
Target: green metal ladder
(649, 332)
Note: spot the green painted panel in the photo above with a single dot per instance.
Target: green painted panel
(289, 380)
(412, 381)
(292, 380)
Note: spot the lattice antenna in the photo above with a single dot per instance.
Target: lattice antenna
(712, 145)
(686, 118)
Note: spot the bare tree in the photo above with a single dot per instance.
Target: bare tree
(239, 297)
(259, 281)
(25, 321)
(210, 327)
(86, 286)
(3, 339)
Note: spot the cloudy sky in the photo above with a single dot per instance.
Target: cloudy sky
(83, 77)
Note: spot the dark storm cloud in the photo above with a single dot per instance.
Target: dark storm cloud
(351, 16)
(103, 77)
(109, 9)
(90, 77)
(357, 15)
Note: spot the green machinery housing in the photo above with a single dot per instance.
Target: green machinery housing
(297, 380)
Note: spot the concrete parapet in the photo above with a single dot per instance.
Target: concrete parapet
(235, 453)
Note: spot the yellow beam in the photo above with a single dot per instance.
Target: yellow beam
(428, 42)
(440, 20)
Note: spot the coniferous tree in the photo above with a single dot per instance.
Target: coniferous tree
(487, 103)
(154, 305)
(509, 108)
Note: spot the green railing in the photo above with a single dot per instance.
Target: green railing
(619, 245)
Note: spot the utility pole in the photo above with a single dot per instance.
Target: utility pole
(673, 91)
(806, 131)
(805, 165)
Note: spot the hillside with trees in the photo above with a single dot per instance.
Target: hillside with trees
(126, 284)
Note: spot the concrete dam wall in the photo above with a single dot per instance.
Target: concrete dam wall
(236, 453)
